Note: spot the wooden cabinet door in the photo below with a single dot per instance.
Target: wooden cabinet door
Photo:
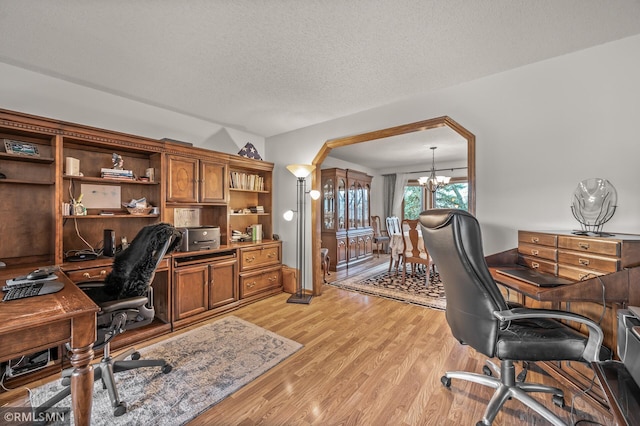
(341, 252)
(368, 244)
(191, 291)
(182, 179)
(353, 248)
(213, 182)
(223, 285)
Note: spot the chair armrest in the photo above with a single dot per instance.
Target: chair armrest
(595, 338)
(121, 304)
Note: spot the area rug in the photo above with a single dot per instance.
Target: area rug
(378, 281)
(209, 363)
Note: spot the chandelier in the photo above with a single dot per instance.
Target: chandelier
(433, 182)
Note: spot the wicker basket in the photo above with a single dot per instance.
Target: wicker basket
(139, 210)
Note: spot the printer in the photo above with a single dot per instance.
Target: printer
(200, 238)
(629, 340)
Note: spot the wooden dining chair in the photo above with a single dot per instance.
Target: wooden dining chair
(395, 234)
(379, 237)
(413, 252)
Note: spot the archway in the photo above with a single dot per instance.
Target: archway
(375, 135)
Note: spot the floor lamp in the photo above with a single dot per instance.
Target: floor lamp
(301, 171)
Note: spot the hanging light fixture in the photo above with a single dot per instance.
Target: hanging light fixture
(433, 182)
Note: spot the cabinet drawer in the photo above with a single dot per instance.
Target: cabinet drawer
(91, 274)
(601, 246)
(589, 261)
(578, 274)
(541, 265)
(539, 251)
(537, 238)
(256, 257)
(257, 282)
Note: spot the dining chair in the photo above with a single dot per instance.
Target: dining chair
(325, 262)
(395, 243)
(379, 237)
(413, 251)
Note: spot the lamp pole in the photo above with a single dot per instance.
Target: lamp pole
(299, 296)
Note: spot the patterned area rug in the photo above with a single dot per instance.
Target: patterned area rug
(378, 281)
(209, 363)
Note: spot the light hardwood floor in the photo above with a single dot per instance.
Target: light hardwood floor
(368, 361)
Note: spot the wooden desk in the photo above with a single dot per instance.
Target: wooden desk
(37, 323)
(616, 290)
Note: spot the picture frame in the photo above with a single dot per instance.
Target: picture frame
(16, 147)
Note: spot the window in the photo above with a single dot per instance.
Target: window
(417, 198)
(414, 201)
(453, 196)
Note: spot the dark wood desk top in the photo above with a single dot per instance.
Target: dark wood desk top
(26, 314)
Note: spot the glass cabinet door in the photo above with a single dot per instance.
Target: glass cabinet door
(365, 205)
(351, 215)
(328, 205)
(358, 206)
(341, 207)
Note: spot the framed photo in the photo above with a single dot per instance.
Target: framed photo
(20, 148)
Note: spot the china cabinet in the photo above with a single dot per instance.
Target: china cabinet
(346, 227)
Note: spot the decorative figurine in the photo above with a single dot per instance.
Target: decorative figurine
(117, 161)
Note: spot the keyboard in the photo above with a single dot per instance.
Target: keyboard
(37, 288)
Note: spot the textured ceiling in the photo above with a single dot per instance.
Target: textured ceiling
(269, 67)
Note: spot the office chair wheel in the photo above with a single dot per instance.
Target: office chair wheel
(135, 355)
(166, 369)
(487, 371)
(120, 409)
(558, 400)
(445, 381)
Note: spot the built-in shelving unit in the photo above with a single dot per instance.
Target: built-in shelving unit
(39, 231)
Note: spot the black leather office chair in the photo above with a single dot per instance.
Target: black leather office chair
(125, 298)
(479, 317)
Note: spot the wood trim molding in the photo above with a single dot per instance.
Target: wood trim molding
(330, 144)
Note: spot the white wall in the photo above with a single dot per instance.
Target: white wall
(37, 94)
(539, 129)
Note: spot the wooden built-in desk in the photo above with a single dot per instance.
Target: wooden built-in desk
(37, 323)
(597, 296)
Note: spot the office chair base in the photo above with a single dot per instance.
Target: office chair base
(506, 388)
(104, 371)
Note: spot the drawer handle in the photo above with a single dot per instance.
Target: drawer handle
(584, 246)
(251, 284)
(271, 254)
(584, 262)
(582, 277)
(534, 252)
(535, 239)
(535, 265)
(249, 259)
(272, 279)
(89, 276)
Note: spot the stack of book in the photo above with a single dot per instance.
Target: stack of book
(237, 236)
(117, 174)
